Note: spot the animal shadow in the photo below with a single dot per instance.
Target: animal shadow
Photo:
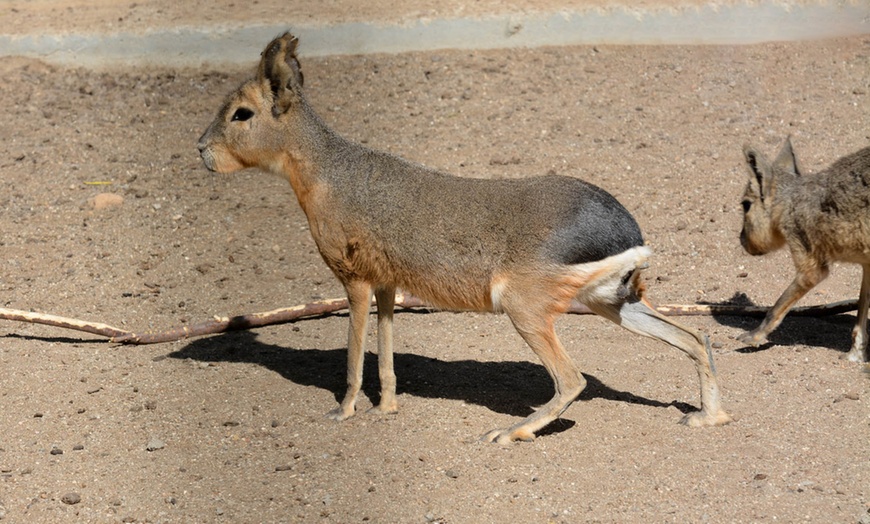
(511, 387)
(73, 341)
(831, 331)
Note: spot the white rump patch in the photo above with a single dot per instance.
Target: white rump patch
(608, 274)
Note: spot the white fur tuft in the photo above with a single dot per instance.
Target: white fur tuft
(609, 274)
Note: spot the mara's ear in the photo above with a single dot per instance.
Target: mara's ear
(786, 159)
(759, 169)
(280, 67)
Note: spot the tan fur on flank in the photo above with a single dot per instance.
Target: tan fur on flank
(522, 247)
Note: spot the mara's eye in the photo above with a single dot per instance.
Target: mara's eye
(746, 205)
(242, 114)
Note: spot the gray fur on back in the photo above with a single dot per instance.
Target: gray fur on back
(831, 213)
(571, 221)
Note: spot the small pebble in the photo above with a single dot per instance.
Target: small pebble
(106, 200)
(847, 396)
(154, 444)
(71, 498)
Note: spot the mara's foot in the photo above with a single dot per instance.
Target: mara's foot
(390, 408)
(856, 355)
(506, 436)
(753, 338)
(340, 413)
(697, 419)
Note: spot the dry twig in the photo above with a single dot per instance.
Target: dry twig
(95, 328)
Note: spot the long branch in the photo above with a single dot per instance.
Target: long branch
(326, 307)
(95, 328)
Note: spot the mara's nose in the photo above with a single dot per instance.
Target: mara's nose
(202, 144)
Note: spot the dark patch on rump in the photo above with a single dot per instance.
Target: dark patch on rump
(597, 226)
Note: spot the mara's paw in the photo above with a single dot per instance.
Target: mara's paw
(506, 436)
(752, 338)
(697, 419)
(856, 355)
(381, 409)
(338, 414)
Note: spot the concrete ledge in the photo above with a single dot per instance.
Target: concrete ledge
(197, 46)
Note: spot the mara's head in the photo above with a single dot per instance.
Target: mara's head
(761, 232)
(252, 128)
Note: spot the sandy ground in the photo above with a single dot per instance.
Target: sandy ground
(230, 428)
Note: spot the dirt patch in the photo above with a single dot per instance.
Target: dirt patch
(230, 428)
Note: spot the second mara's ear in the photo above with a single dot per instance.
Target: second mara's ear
(280, 67)
(759, 167)
(786, 158)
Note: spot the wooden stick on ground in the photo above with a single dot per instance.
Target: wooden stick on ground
(326, 307)
(94, 328)
(730, 310)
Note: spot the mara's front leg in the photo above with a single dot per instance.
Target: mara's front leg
(359, 296)
(386, 297)
(859, 352)
(802, 283)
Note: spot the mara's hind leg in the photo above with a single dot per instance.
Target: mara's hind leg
(386, 297)
(536, 328)
(638, 316)
(859, 352)
(359, 297)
